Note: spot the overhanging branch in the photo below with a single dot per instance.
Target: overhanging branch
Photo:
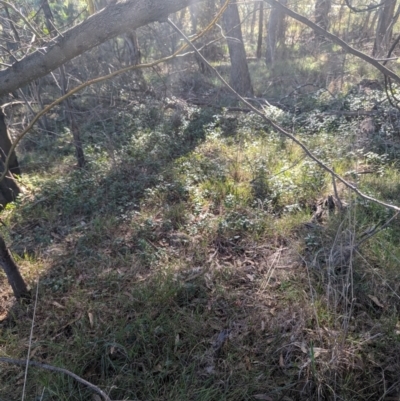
(384, 70)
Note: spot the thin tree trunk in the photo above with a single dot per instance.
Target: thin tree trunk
(240, 76)
(260, 30)
(384, 29)
(275, 32)
(253, 21)
(80, 156)
(194, 9)
(321, 13)
(12, 272)
(5, 147)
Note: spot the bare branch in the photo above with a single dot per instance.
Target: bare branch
(23, 362)
(362, 10)
(102, 79)
(31, 27)
(384, 70)
(115, 19)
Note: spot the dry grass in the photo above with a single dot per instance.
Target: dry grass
(189, 269)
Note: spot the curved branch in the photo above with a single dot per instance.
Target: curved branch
(79, 379)
(369, 8)
(384, 70)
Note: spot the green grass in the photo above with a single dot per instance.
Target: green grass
(177, 232)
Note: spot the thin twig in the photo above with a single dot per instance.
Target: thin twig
(376, 230)
(7, 4)
(22, 362)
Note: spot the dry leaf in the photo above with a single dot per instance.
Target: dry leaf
(375, 300)
(304, 348)
(57, 305)
(91, 319)
(281, 361)
(319, 351)
(250, 277)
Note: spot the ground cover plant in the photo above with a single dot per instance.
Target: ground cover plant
(199, 258)
(194, 253)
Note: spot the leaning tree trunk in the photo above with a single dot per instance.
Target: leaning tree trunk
(12, 272)
(240, 76)
(275, 32)
(384, 29)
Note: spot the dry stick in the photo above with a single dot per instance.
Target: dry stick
(376, 230)
(7, 4)
(282, 131)
(101, 79)
(22, 362)
(30, 342)
(335, 39)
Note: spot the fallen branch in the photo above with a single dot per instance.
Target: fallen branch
(22, 362)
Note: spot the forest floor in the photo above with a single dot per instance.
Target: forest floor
(201, 256)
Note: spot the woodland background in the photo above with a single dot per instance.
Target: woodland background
(172, 238)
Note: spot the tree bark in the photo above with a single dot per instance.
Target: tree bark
(321, 13)
(117, 18)
(12, 272)
(260, 30)
(256, 7)
(240, 76)
(384, 29)
(275, 32)
(9, 189)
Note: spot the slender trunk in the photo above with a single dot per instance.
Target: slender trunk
(12, 272)
(260, 30)
(5, 147)
(193, 17)
(240, 76)
(275, 32)
(253, 21)
(321, 13)
(135, 57)
(384, 29)
(76, 134)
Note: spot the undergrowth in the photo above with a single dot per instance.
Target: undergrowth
(188, 260)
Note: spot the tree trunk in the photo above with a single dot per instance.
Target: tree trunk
(194, 9)
(275, 32)
(321, 13)
(114, 20)
(240, 76)
(76, 134)
(260, 30)
(256, 6)
(9, 189)
(12, 272)
(384, 29)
